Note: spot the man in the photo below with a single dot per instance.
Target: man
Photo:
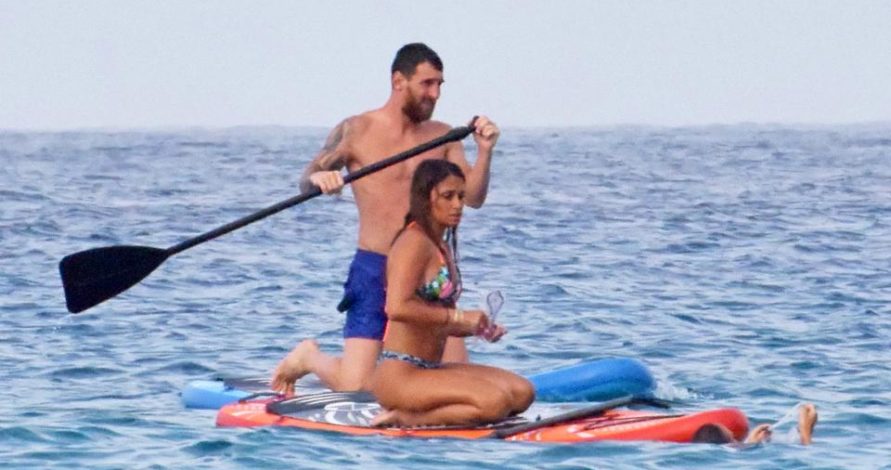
(718, 434)
(382, 200)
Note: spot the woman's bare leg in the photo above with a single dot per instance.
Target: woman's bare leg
(445, 415)
(518, 388)
(454, 394)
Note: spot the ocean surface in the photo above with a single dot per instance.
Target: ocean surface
(746, 265)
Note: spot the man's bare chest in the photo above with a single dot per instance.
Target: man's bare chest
(399, 172)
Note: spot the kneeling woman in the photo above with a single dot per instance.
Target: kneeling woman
(423, 285)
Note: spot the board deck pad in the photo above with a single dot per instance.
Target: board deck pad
(348, 409)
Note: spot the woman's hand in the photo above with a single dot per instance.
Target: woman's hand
(466, 322)
(492, 333)
(474, 323)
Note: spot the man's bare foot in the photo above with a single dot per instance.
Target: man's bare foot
(807, 419)
(293, 366)
(386, 418)
(760, 434)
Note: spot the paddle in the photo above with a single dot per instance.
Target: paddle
(96, 275)
(587, 412)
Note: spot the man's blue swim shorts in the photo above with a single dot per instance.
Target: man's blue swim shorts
(364, 296)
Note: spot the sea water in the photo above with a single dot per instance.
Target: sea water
(746, 265)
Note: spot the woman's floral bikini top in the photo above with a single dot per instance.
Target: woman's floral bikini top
(442, 288)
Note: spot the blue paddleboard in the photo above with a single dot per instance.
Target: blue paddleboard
(597, 380)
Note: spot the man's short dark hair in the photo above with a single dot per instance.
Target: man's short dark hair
(411, 55)
(712, 434)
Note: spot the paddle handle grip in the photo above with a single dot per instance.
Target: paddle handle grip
(453, 135)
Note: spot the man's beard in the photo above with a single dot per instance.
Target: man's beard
(419, 110)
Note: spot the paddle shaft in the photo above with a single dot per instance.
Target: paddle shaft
(93, 276)
(563, 417)
(454, 135)
(587, 412)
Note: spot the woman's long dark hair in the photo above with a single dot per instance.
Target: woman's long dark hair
(429, 174)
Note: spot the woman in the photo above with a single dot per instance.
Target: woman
(423, 285)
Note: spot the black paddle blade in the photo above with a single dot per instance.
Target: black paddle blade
(93, 276)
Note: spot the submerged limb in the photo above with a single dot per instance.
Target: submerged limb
(806, 414)
(760, 434)
(807, 420)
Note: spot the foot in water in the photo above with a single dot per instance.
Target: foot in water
(293, 366)
(807, 419)
(718, 434)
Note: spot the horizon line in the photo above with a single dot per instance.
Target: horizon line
(617, 125)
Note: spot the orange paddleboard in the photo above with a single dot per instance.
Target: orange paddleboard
(350, 413)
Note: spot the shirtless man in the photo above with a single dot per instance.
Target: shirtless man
(718, 434)
(382, 199)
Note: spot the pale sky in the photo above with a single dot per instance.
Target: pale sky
(146, 64)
